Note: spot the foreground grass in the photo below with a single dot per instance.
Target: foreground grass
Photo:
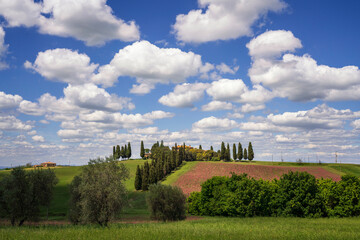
(207, 228)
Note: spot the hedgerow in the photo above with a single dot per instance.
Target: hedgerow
(295, 194)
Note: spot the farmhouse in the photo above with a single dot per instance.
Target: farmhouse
(186, 147)
(48, 164)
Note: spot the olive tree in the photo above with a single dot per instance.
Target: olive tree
(99, 193)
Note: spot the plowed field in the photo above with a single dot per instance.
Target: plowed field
(191, 181)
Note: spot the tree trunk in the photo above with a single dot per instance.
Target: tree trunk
(21, 222)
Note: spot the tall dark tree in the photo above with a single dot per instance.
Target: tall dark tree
(122, 152)
(152, 175)
(162, 143)
(145, 177)
(200, 147)
(228, 152)
(222, 151)
(211, 148)
(125, 151)
(142, 150)
(234, 152)
(245, 154)
(114, 152)
(117, 152)
(138, 178)
(128, 153)
(250, 152)
(240, 152)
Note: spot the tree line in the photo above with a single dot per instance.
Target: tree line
(22, 193)
(296, 194)
(199, 154)
(123, 152)
(163, 162)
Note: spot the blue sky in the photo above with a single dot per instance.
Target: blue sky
(77, 77)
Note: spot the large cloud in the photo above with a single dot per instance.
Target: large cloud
(222, 20)
(9, 101)
(150, 64)
(76, 99)
(20, 12)
(299, 78)
(184, 95)
(90, 21)
(63, 65)
(212, 124)
(273, 43)
(11, 123)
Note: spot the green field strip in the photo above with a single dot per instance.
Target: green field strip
(173, 177)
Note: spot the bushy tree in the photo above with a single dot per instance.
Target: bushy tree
(100, 191)
(166, 203)
(250, 152)
(240, 152)
(23, 192)
(44, 181)
(74, 213)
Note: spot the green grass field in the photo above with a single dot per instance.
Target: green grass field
(206, 228)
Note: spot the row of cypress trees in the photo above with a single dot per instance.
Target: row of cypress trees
(163, 162)
(240, 154)
(123, 152)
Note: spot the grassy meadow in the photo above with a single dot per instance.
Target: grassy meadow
(206, 228)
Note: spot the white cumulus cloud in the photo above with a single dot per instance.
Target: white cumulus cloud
(90, 21)
(184, 95)
(211, 124)
(299, 78)
(222, 19)
(150, 64)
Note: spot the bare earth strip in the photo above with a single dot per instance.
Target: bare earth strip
(192, 180)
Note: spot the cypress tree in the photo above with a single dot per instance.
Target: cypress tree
(240, 152)
(152, 175)
(117, 152)
(245, 154)
(222, 151)
(128, 153)
(138, 180)
(162, 143)
(250, 152)
(211, 148)
(142, 150)
(234, 152)
(145, 177)
(125, 151)
(114, 151)
(228, 152)
(200, 147)
(122, 152)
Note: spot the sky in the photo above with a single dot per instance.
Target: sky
(78, 77)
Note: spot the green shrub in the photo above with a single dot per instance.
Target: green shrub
(166, 203)
(298, 195)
